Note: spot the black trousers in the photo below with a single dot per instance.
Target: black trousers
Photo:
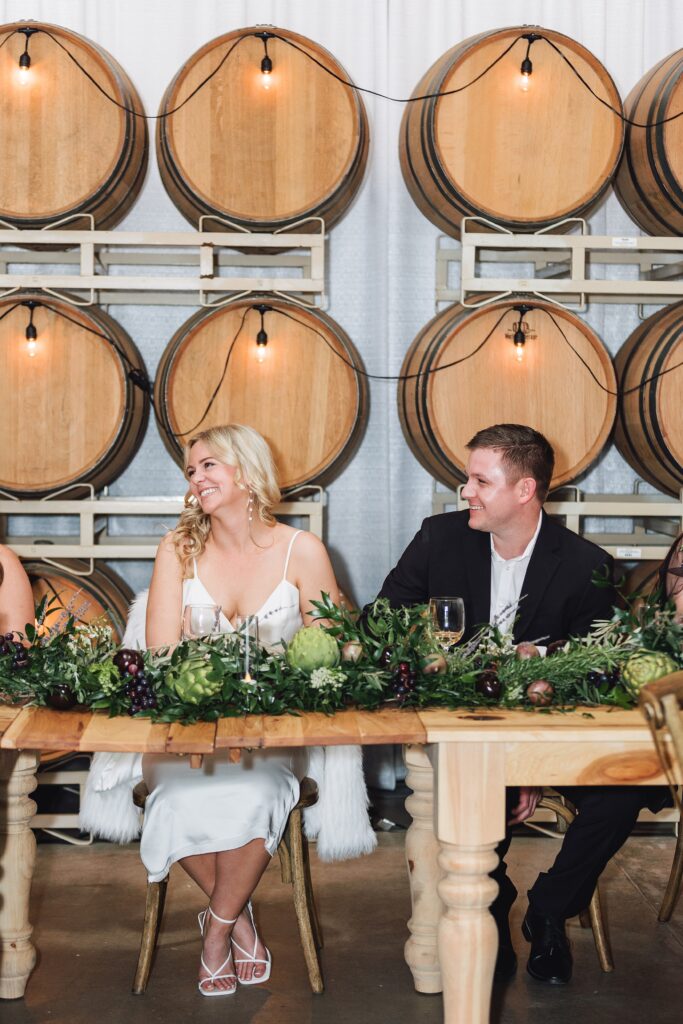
(606, 816)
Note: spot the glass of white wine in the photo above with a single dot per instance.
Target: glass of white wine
(448, 620)
(201, 620)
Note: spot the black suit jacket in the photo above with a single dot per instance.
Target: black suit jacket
(448, 559)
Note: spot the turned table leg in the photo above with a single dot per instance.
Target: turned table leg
(17, 857)
(470, 817)
(422, 851)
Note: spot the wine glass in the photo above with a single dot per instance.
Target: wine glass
(247, 627)
(201, 620)
(448, 620)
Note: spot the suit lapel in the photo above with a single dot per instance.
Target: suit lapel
(478, 567)
(540, 571)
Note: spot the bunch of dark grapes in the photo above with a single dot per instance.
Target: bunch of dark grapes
(8, 645)
(403, 681)
(137, 686)
(604, 677)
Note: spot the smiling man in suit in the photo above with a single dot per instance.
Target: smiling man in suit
(502, 552)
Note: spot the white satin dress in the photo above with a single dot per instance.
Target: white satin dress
(223, 806)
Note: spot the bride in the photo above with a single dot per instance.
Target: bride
(223, 822)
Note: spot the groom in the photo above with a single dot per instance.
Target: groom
(502, 549)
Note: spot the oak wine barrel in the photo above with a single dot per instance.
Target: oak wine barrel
(550, 389)
(303, 397)
(101, 596)
(262, 157)
(65, 148)
(649, 182)
(69, 411)
(523, 159)
(649, 430)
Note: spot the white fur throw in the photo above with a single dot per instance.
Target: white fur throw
(339, 821)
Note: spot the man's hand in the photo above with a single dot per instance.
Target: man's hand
(528, 799)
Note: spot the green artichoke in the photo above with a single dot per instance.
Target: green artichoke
(193, 680)
(312, 648)
(644, 667)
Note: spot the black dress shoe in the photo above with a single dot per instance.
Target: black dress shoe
(550, 958)
(506, 960)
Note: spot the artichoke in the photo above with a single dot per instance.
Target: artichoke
(193, 680)
(644, 667)
(312, 648)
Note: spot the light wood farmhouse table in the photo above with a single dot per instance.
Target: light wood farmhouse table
(459, 763)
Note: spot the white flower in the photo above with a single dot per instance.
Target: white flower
(327, 678)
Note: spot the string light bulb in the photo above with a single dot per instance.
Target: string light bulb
(25, 58)
(31, 332)
(262, 336)
(520, 332)
(266, 61)
(526, 67)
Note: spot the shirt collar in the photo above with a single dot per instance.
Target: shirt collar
(528, 549)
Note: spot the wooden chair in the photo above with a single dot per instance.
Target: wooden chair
(661, 703)
(592, 916)
(294, 868)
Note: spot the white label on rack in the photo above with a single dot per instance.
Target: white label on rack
(629, 553)
(625, 242)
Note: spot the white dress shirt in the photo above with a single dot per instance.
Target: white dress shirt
(507, 577)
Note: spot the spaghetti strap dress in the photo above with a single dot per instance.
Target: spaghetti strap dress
(222, 806)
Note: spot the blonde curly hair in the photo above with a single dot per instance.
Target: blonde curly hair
(234, 445)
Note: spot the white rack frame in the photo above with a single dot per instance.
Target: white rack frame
(561, 265)
(657, 519)
(94, 541)
(92, 254)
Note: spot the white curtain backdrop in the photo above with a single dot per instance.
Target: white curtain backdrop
(381, 255)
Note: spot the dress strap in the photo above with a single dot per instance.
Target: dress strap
(289, 551)
(196, 575)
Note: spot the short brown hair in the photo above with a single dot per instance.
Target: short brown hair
(525, 452)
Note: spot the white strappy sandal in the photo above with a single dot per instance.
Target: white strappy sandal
(251, 958)
(216, 975)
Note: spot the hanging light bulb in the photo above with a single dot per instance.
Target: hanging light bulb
(526, 67)
(262, 337)
(266, 62)
(25, 58)
(519, 340)
(520, 332)
(31, 332)
(261, 343)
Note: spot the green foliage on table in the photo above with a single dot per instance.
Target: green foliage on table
(203, 680)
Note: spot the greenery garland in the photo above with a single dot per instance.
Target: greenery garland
(386, 657)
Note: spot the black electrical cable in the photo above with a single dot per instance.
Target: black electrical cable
(129, 110)
(358, 88)
(616, 394)
(398, 377)
(220, 382)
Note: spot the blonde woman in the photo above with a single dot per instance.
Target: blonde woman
(16, 598)
(223, 822)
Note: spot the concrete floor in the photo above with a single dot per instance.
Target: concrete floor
(88, 905)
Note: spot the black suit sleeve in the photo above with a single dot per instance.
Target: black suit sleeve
(407, 583)
(595, 602)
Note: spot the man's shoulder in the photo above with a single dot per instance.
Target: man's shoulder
(572, 543)
(447, 524)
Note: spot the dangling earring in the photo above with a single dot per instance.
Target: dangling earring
(250, 506)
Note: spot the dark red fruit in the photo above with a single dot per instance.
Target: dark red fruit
(404, 668)
(132, 668)
(61, 697)
(125, 657)
(554, 647)
(488, 685)
(386, 656)
(540, 693)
